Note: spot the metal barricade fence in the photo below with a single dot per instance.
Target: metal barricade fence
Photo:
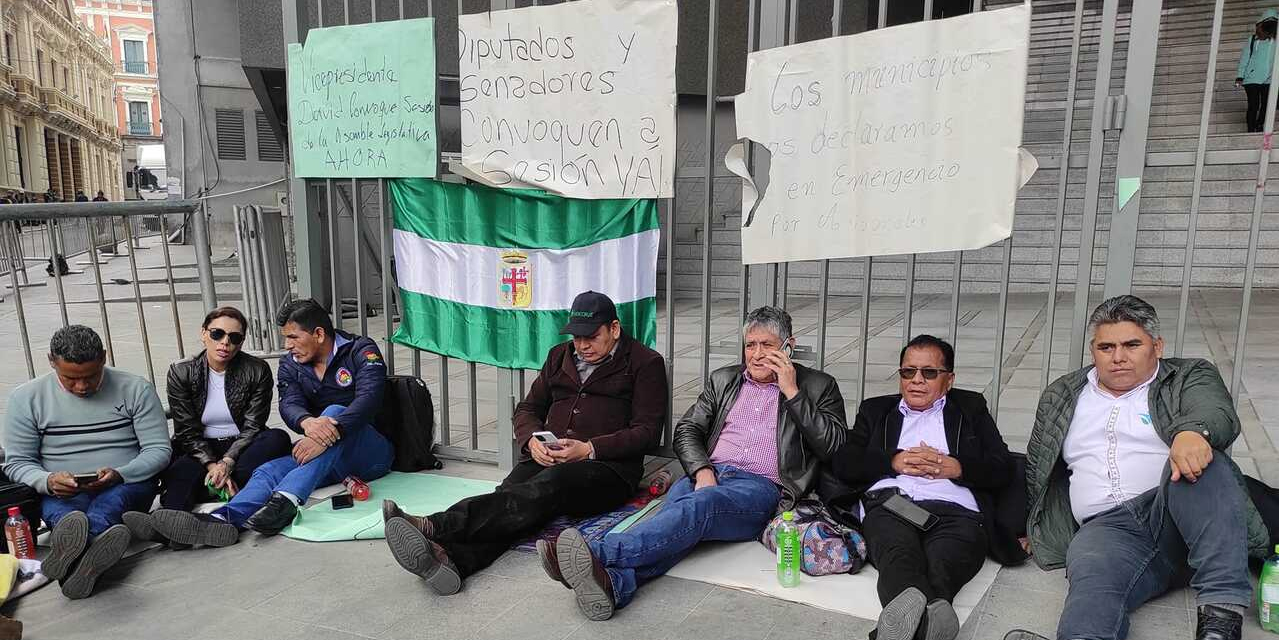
(345, 209)
(91, 223)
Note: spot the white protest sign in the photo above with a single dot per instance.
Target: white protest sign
(576, 98)
(898, 140)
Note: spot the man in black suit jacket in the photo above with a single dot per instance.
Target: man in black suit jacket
(938, 449)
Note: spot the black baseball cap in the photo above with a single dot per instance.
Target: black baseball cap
(590, 310)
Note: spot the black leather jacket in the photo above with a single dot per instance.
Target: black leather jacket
(811, 426)
(248, 388)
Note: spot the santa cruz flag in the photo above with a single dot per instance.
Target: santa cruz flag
(488, 275)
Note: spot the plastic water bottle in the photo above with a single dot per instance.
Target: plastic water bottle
(1269, 594)
(358, 488)
(788, 543)
(17, 532)
(660, 483)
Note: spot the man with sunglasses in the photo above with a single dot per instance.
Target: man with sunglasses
(1132, 488)
(91, 440)
(925, 464)
(753, 440)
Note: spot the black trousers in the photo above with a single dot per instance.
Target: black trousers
(182, 484)
(476, 531)
(938, 562)
(1256, 115)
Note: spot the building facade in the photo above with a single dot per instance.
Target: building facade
(57, 123)
(128, 28)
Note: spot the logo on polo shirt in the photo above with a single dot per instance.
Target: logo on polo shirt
(343, 377)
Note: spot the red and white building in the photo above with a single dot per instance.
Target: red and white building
(128, 28)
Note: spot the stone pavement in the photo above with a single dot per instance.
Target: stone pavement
(279, 588)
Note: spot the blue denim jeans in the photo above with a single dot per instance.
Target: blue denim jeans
(103, 508)
(1132, 553)
(362, 452)
(737, 508)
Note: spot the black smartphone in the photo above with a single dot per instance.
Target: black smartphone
(85, 478)
(342, 501)
(910, 512)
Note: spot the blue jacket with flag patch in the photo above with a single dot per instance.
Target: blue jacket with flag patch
(354, 378)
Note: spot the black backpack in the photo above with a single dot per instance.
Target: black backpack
(408, 420)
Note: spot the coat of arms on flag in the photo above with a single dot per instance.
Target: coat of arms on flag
(515, 279)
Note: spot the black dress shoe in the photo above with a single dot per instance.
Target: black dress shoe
(274, 516)
(1216, 623)
(939, 622)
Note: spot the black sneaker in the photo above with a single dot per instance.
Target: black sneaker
(189, 528)
(103, 553)
(139, 524)
(900, 618)
(68, 541)
(274, 516)
(1216, 623)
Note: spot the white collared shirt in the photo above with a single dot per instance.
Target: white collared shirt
(1112, 448)
(927, 426)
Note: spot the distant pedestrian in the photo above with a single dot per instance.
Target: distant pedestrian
(80, 196)
(100, 197)
(1254, 72)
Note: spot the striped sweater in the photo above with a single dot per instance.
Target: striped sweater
(121, 426)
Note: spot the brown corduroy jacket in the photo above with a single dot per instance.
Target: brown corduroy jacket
(620, 410)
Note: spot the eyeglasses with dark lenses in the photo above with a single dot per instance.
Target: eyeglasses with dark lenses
(218, 334)
(908, 373)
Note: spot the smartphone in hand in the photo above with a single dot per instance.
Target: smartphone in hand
(548, 440)
(85, 478)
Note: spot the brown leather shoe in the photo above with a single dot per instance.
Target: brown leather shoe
(392, 510)
(585, 575)
(422, 557)
(550, 563)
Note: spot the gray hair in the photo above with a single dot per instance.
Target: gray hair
(1126, 308)
(76, 344)
(771, 319)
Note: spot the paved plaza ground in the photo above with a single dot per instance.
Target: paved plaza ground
(279, 588)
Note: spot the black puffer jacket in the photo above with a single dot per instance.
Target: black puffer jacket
(811, 426)
(248, 389)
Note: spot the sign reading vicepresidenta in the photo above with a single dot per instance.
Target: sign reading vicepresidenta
(577, 99)
(898, 140)
(362, 101)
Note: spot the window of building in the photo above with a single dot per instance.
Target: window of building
(269, 149)
(229, 125)
(139, 118)
(66, 80)
(22, 161)
(40, 67)
(135, 56)
(8, 48)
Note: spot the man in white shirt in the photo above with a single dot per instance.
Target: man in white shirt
(1131, 485)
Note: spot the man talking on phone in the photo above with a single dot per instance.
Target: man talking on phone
(753, 440)
(926, 463)
(603, 398)
(91, 439)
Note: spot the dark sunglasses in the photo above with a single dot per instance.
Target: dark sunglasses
(908, 373)
(218, 334)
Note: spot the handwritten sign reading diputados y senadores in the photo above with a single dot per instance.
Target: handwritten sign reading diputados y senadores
(362, 101)
(899, 140)
(576, 98)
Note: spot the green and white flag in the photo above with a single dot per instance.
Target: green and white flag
(488, 275)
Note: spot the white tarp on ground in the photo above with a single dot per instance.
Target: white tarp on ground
(577, 98)
(898, 140)
(749, 566)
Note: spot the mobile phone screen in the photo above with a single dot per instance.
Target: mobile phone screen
(85, 478)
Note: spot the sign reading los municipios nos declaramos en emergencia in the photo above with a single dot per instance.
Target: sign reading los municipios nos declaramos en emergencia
(899, 140)
(577, 99)
(362, 101)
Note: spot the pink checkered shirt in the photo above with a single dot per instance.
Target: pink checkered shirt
(749, 440)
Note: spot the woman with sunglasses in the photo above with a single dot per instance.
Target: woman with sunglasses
(925, 465)
(220, 400)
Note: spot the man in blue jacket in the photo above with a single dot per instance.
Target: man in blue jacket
(330, 388)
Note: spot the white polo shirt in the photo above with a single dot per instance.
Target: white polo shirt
(1112, 448)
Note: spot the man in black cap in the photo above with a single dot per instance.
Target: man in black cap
(604, 397)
